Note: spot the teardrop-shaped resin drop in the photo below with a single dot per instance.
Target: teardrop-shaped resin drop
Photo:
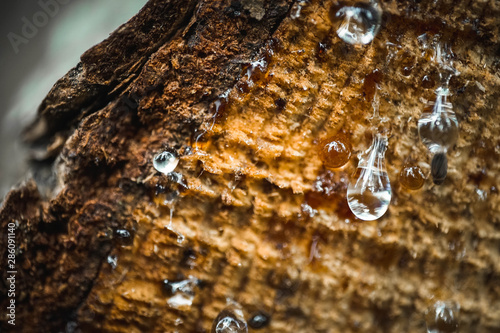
(369, 193)
(357, 22)
(439, 129)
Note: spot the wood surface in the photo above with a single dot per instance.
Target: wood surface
(257, 218)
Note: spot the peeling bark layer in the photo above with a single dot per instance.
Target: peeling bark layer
(257, 217)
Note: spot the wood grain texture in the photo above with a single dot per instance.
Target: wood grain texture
(258, 218)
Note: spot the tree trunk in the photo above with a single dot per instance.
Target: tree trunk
(245, 94)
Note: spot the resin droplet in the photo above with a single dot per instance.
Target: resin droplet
(369, 194)
(412, 177)
(297, 8)
(439, 168)
(112, 261)
(259, 320)
(357, 22)
(335, 151)
(442, 317)
(219, 110)
(165, 162)
(230, 320)
(439, 129)
(181, 293)
(124, 237)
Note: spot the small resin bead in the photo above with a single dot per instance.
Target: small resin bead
(230, 320)
(259, 320)
(165, 162)
(412, 177)
(124, 237)
(335, 151)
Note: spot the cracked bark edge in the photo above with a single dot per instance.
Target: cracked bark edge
(63, 241)
(105, 67)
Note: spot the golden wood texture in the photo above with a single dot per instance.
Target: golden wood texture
(258, 218)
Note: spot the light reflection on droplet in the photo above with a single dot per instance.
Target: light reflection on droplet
(297, 8)
(124, 237)
(442, 317)
(412, 177)
(181, 293)
(165, 162)
(369, 194)
(357, 22)
(259, 320)
(438, 129)
(230, 320)
(335, 151)
(112, 261)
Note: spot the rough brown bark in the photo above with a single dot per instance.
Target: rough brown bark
(249, 185)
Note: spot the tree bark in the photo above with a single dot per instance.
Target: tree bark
(244, 93)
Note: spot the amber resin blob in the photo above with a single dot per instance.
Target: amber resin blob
(412, 177)
(335, 151)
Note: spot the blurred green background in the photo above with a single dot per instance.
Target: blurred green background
(32, 61)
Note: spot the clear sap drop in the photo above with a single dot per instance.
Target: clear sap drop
(181, 293)
(259, 320)
(165, 162)
(297, 8)
(358, 23)
(230, 320)
(438, 129)
(442, 317)
(369, 193)
(112, 261)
